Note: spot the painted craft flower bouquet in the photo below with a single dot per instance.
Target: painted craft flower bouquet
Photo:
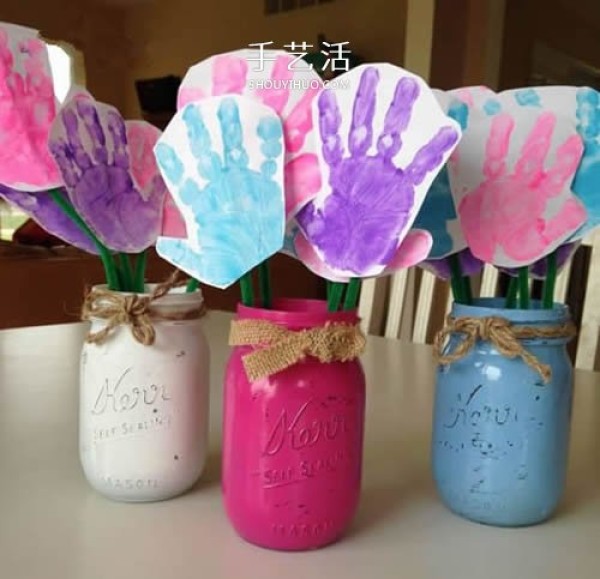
(518, 193)
(90, 178)
(79, 170)
(334, 178)
(355, 180)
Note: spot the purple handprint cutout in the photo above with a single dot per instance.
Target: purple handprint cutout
(362, 215)
(110, 172)
(43, 210)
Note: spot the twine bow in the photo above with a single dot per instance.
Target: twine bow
(504, 336)
(283, 348)
(132, 310)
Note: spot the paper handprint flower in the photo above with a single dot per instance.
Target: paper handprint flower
(27, 109)
(374, 191)
(222, 159)
(581, 105)
(283, 84)
(44, 211)
(513, 194)
(109, 172)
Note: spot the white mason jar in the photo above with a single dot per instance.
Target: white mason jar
(144, 409)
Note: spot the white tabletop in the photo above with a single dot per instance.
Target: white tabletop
(54, 526)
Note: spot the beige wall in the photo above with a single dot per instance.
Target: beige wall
(166, 37)
(98, 31)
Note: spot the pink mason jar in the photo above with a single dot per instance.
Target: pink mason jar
(292, 441)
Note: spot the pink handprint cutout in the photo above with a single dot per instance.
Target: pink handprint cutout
(288, 88)
(514, 217)
(27, 109)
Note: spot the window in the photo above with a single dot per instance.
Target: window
(276, 6)
(67, 67)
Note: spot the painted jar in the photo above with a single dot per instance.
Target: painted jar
(501, 425)
(143, 425)
(292, 440)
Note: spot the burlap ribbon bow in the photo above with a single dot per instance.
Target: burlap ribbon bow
(132, 310)
(504, 336)
(279, 348)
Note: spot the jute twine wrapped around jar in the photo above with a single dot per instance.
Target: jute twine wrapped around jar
(504, 335)
(133, 310)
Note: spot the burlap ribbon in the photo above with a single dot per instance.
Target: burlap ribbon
(279, 348)
(132, 310)
(503, 335)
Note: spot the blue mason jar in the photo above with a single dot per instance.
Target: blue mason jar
(500, 433)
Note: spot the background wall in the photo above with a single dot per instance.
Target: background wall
(168, 37)
(97, 30)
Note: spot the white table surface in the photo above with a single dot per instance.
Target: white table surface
(54, 526)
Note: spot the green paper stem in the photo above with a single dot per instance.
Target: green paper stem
(140, 272)
(335, 296)
(524, 288)
(550, 281)
(329, 284)
(126, 272)
(192, 286)
(247, 290)
(466, 289)
(511, 293)
(110, 269)
(120, 279)
(264, 282)
(456, 279)
(351, 300)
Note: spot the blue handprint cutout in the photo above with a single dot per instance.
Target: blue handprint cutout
(222, 159)
(587, 178)
(374, 193)
(438, 208)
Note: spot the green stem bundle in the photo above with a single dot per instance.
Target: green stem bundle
(192, 286)
(110, 270)
(524, 288)
(550, 281)
(247, 289)
(140, 272)
(352, 293)
(511, 293)
(126, 273)
(264, 284)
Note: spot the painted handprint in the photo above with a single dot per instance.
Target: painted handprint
(109, 172)
(285, 86)
(27, 109)
(222, 159)
(578, 105)
(374, 191)
(44, 211)
(514, 197)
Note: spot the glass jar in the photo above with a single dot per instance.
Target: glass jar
(500, 433)
(292, 442)
(144, 409)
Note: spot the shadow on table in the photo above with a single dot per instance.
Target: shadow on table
(211, 476)
(396, 479)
